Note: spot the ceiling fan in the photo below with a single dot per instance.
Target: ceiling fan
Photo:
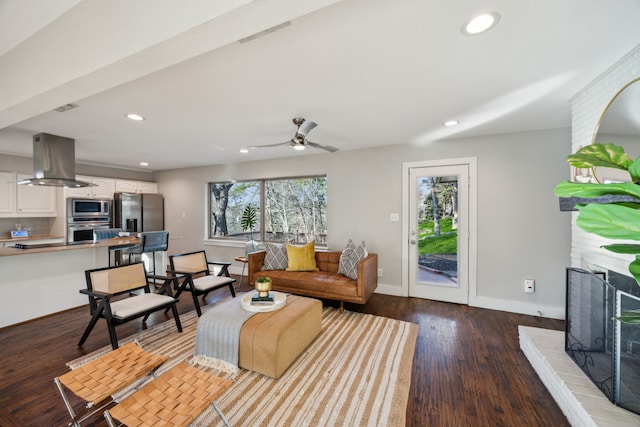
(299, 140)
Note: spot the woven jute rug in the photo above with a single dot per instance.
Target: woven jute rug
(357, 372)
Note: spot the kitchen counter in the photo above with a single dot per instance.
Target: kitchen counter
(40, 281)
(58, 247)
(27, 239)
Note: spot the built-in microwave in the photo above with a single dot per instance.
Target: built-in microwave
(85, 208)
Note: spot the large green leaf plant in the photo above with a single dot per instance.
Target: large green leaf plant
(609, 210)
(249, 219)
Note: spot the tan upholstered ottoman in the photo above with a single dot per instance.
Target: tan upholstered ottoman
(270, 342)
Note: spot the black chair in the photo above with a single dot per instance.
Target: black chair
(193, 268)
(111, 298)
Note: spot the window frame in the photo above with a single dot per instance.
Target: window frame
(258, 236)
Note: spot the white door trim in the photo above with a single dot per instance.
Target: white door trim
(471, 162)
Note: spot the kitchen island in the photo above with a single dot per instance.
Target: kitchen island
(45, 279)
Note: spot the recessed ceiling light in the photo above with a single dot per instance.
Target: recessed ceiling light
(136, 117)
(450, 123)
(144, 164)
(244, 150)
(480, 23)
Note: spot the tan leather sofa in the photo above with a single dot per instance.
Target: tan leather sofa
(326, 283)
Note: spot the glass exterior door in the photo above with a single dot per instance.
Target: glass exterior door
(438, 233)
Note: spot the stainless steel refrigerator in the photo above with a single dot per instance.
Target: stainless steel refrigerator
(138, 212)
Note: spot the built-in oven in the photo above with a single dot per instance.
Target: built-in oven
(86, 208)
(86, 215)
(81, 228)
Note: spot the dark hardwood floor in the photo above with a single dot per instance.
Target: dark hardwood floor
(468, 369)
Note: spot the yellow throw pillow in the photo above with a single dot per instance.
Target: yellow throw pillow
(302, 258)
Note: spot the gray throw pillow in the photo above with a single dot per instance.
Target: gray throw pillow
(349, 259)
(276, 257)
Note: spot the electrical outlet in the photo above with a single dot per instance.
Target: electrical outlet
(529, 286)
(379, 272)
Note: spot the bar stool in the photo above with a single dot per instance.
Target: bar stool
(105, 234)
(151, 241)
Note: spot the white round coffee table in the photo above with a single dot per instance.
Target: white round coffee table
(279, 300)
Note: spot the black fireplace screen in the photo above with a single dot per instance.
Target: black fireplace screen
(607, 351)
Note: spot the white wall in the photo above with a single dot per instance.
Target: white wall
(521, 232)
(587, 108)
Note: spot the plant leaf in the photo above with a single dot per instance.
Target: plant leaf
(634, 320)
(249, 218)
(634, 170)
(589, 190)
(634, 269)
(610, 220)
(607, 155)
(623, 248)
(630, 316)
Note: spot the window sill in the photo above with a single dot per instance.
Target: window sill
(242, 244)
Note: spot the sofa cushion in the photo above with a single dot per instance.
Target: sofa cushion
(302, 258)
(275, 257)
(349, 259)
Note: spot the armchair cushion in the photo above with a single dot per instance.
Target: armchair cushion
(301, 258)
(140, 304)
(204, 283)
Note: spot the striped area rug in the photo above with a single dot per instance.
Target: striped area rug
(357, 372)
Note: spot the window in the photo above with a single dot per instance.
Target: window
(289, 209)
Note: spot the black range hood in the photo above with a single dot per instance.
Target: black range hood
(54, 162)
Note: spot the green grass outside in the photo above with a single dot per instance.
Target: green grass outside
(446, 243)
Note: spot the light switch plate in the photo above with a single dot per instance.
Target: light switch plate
(394, 217)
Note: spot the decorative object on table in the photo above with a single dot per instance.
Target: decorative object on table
(248, 222)
(279, 300)
(609, 210)
(264, 295)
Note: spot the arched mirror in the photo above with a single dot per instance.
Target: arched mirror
(620, 124)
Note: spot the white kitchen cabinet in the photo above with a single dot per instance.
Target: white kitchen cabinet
(7, 193)
(126, 186)
(25, 201)
(35, 200)
(104, 189)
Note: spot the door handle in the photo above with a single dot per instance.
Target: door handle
(413, 242)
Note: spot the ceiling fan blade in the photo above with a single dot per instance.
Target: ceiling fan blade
(305, 128)
(322, 146)
(272, 145)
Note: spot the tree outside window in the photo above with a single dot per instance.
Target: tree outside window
(289, 209)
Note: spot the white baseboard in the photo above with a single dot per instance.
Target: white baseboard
(385, 289)
(550, 311)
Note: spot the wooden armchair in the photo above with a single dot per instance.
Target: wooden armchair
(198, 278)
(110, 297)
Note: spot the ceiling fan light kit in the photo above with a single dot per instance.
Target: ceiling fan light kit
(299, 140)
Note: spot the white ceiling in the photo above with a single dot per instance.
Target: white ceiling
(369, 72)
